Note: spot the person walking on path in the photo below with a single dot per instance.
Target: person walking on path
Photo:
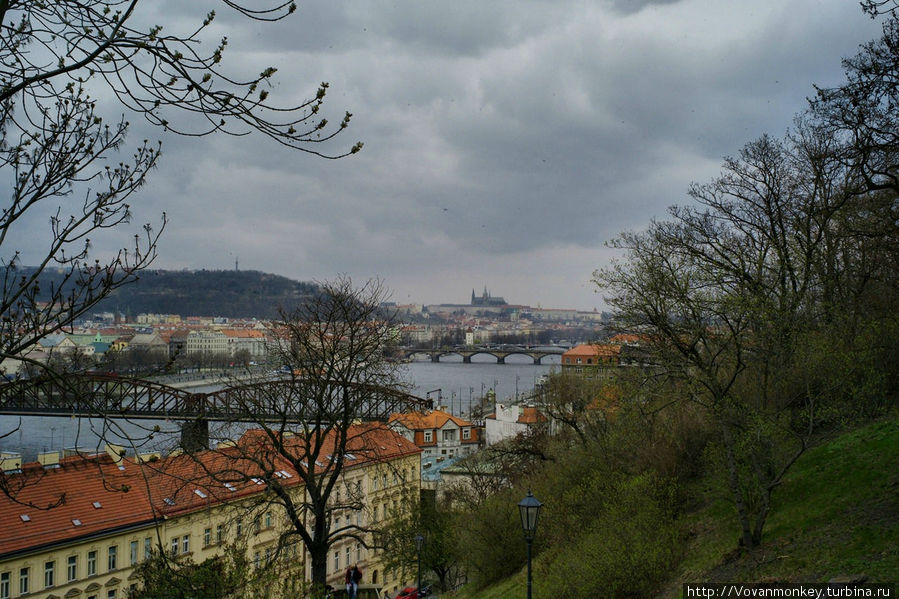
(352, 578)
(348, 579)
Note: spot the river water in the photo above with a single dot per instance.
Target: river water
(449, 383)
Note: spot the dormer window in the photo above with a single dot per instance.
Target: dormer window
(428, 436)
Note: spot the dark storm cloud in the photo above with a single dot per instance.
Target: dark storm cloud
(632, 6)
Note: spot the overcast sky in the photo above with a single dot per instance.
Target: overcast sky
(505, 142)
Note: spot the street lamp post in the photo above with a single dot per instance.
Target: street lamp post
(419, 541)
(529, 509)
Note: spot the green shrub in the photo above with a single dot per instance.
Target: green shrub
(626, 549)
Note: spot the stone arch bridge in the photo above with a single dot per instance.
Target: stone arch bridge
(500, 354)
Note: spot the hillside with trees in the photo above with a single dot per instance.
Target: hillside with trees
(228, 293)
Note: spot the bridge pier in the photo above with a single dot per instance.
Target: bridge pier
(435, 358)
(466, 359)
(195, 435)
(538, 360)
(501, 360)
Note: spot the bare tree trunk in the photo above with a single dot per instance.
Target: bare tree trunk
(734, 482)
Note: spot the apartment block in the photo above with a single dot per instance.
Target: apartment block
(78, 526)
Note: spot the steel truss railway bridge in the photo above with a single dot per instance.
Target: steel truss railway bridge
(278, 400)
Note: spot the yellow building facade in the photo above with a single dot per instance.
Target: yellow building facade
(78, 527)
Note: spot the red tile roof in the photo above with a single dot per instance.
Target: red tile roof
(132, 494)
(593, 350)
(81, 497)
(531, 415)
(432, 419)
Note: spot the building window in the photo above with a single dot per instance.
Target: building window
(337, 561)
(207, 537)
(185, 544)
(23, 581)
(91, 563)
(148, 547)
(111, 562)
(358, 552)
(428, 436)
(257, 559)
(49, 571)
(174, 546)
(449, 435)
(111, 594)
(466, 433)
(348, 557)
(134, 548)
(4, 585)
(239, 527)
(268, 519)
(219, 533)
(256, 523)
(72, 568)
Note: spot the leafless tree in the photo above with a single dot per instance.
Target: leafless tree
(724, 294)
(861, 113)
(65, 161)
(323, 417)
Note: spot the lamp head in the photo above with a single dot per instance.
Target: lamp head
(529, 510)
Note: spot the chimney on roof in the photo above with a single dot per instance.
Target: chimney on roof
(48, 458)
(10, 460)
(148, 457)
(69, 452)
(116, 452)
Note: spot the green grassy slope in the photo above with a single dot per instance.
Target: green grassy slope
(836, 514)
